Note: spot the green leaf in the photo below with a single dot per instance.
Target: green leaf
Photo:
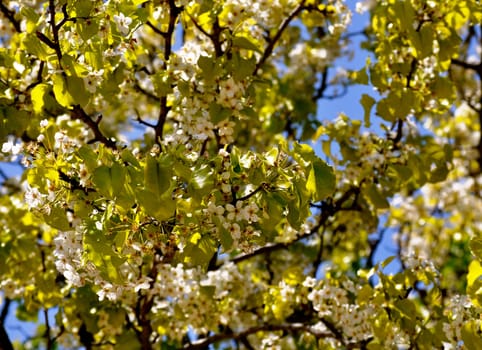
(476, 247)
(128, 157)
(367, 102)
(39, 95)
(87, 28)
(244, 43)
(161, 208)
(70, 90)
(374, 196)
(426, 39)
(321, 180)
(274, 207)
(33, 45)
(88, 156)
(202, 181)
(83, 8)
(218, 113)
(70, 66)
(200, 252)
(57, 218)
(242, 68)
(470, 335)
(474, 274)
(157, 177)
(207, 65)
(110, 180)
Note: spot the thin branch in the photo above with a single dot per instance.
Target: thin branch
(201, 29)
(374, 244)
(155, 29)
(288, 327)
(142, 121)
(3, 174)
(5, 343)
(466, 65)
(48, 330)
(214, 36)
(10, 14)
(145, 92)
(78, 113)
(269, 49)
(328, 210)
(5, 309)
(164, 108)
(323, 85)
(55, 31)
(249, 195)
(319, 255)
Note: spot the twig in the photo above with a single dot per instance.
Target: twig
(323, 85)
(466, 65)
(10, 14)
(269, 49)
(164, 108)
(78, 113)
(5, 343)
(55, 31)
(288, 327)
(48, 330)
(328, 210)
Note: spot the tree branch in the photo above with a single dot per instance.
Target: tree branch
(5, 343)
(164, 108)
(328, 210)
(287, 327)
(55, 32)
(323, 85)
(269, 49)
(10, 15)
(467, 65)
(78, 113)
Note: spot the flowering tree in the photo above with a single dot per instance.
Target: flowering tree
(182, 187)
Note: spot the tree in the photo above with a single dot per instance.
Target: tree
(181, 187)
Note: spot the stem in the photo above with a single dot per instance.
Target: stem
(275, 39)
(168, 36)
(5, 343)
(10, 14)
(78, 113)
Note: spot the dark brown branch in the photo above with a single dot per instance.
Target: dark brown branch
(155, 29)
(269, 49)
(5, 309)
(164, 108)
(3, 174)
(328, 210)
(145, 92)
(249, 195)
(477, 68)
(55, 31)
(39, 76)
(10, 15)
(288, 327)
(319, 255)
(142, 310)
(323, 85)
(5, 343)
(78, 113)
(48, 330)
(214, 36)
(143, 122)
(43, 38)
(467, 65)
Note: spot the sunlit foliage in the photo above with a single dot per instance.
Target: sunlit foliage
(181, 187)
